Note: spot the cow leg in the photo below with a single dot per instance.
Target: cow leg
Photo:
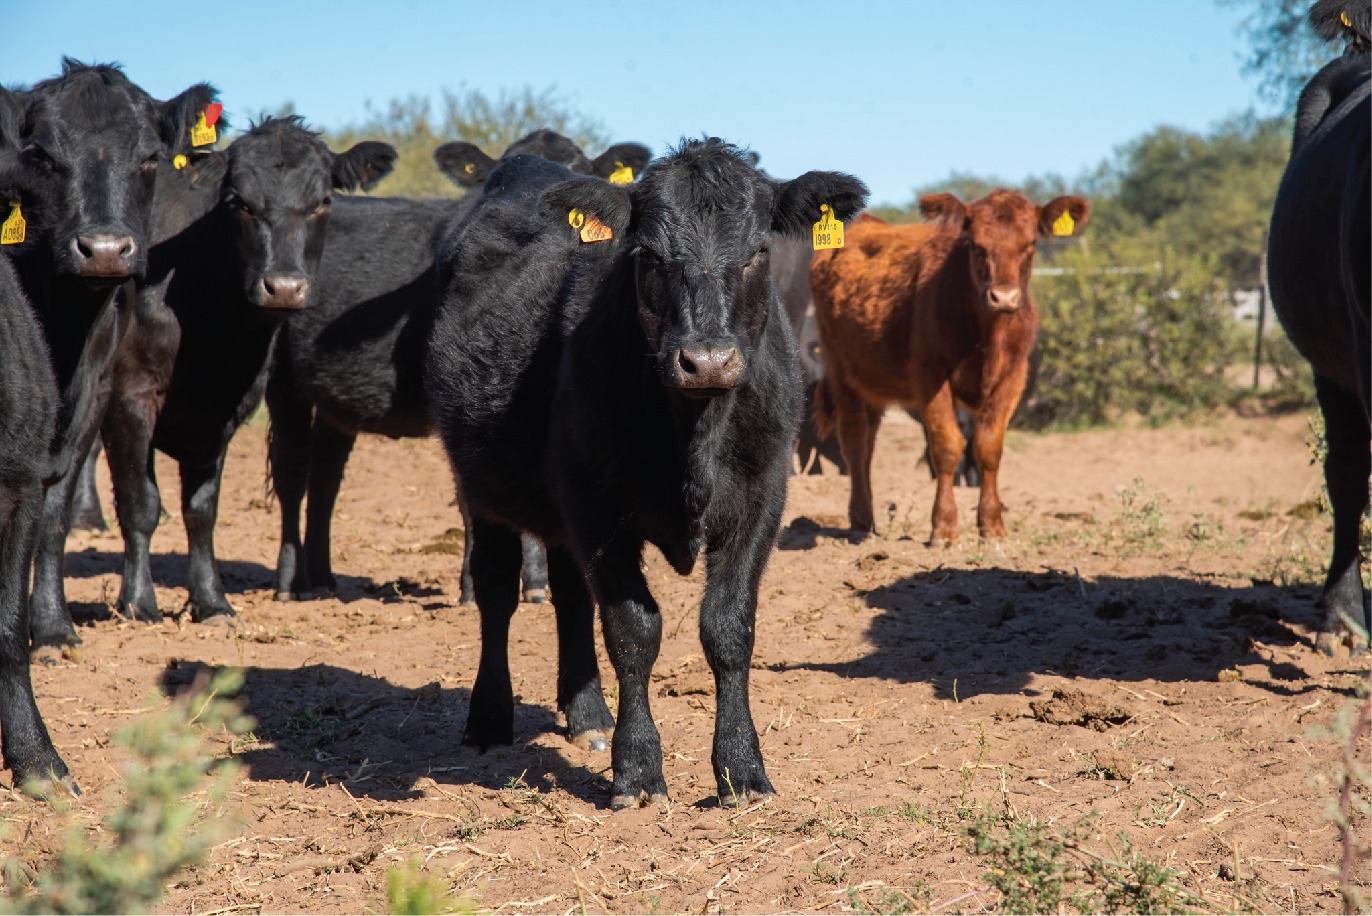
(579, 695)
(988, 444)
(728, 617)
(86, 514)
(534, 572)
(467, 595)
(288, 457)
(50, 620)
(1347, 466)
(945, 451)
(633, 635)
(495, 580)
(25, 746)
(329, 450)
(857, 435)
(137, 503)
(968, 472)
(200, 508)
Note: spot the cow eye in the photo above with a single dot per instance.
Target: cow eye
(38, 159)
(237, 204)
(760, 255)
(149, 164)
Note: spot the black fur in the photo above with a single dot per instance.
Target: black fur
(468, 167)
(28, 422)
(569, 388)
(99, 142)
(1319, 270)
(194, 365)
(351, 363)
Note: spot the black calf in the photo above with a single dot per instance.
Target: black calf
(1320, 267)
(98, 141)
(604, 394)
(352, 362)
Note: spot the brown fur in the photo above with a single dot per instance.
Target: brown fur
(925, 315)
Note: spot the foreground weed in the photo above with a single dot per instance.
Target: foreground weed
(411, 892)
(1142, 524)
(891, 901)
(154, 831)
(1037, 869)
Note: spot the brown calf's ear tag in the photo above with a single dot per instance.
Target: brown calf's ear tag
(828, 232)
(622, 174)
(14, 228)
(592, 229)
(1064, 224)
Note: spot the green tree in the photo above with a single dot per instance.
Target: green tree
(492, 123)
(1283, 51)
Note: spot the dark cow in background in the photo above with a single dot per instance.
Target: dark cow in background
(194, 365)
(352, 362)
(626, 379)
(929, 315)
(1319, 257)
(28, 422)
(100, 141)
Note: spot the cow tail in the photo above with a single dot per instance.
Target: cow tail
(823, 409)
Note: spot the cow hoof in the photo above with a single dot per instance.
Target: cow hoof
(89, 521)
(143, 613)
(941, 539)
(746, 797)
(220, 619)
(994, 531)
(321, 593)
(48, 788)
(467, 603)
(535, 595)
(285, 596)
(641, 800)
(1329, 643)
(593, 740)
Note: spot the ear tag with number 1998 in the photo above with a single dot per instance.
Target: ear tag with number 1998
(14, 228)
(828, 232)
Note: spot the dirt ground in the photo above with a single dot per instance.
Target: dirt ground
(1164, 578)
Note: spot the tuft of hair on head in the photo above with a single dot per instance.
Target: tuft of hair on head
(1347, 19)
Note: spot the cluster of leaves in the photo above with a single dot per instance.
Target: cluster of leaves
(415, 130)
(1037, 869)
(157, 830)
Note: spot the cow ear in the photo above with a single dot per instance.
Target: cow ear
(1064, 215)
(631, 156)
(363, 165)
(944, 208)
(11, 117)
(178, 116)
(609, 203)
(752, 158)
(798, 201)
(464, 164)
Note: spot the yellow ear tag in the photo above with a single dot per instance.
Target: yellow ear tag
(1064, 224)
(469, 168)
(179, 161)
(1343, 17)
(202, 134)
(828, 232)
(622, 174)
(13, 229)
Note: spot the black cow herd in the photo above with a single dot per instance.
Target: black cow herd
(607, 349)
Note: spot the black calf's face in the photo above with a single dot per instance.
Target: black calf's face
(698, 223)
(278, 192)
(96, 140)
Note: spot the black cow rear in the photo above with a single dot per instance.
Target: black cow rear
(607, 394)
(1320, 268)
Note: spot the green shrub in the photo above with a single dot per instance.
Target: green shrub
(155, 831)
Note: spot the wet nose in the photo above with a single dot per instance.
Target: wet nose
(1003, 298)
(708, 367)
(104, 254)
(283, 291)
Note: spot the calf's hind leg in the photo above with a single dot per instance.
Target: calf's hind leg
(579, 695)
(495, 557)
(288, 451)
(1346, 469)
(329, 451)
(200, 508)
(858, 423)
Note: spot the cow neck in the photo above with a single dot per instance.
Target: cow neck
(68, 308)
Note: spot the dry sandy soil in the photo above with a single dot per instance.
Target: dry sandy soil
(901, 691)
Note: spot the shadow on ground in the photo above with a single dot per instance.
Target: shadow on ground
(325, 725)
(979, 631)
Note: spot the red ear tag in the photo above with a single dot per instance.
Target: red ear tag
(212, 113)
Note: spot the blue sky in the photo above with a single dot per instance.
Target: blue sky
(898, 93)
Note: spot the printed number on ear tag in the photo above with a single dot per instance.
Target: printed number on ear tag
(622, 174)
(828, 232)
(203, 132)
(1064, 224)
(592, 229)
(13, 229)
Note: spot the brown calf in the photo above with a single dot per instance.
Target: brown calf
(927, 315)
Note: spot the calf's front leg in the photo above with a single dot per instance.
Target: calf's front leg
(945, 451)
(200, 508)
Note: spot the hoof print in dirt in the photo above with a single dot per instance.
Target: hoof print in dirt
(1077, 707)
